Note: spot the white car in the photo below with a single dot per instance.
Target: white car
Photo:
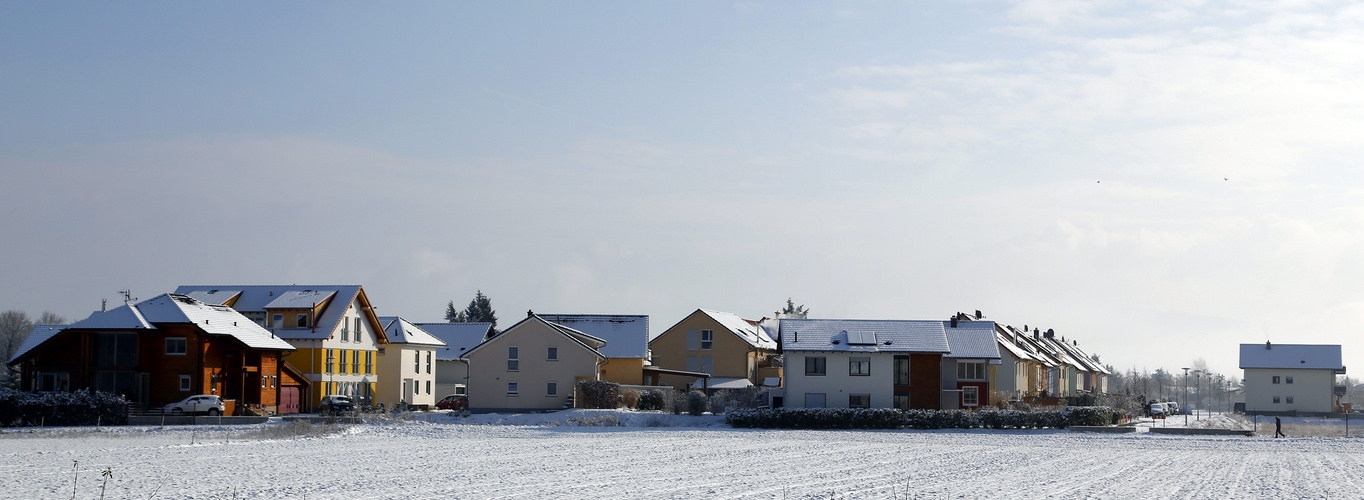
(203, 403)
(1157, 409)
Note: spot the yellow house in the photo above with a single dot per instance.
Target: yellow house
(533, 365)
(736, 352)
(336, 335)
(627, 342)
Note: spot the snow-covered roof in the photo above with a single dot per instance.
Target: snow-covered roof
(258, 298)
(626, 335)
(1295, 356)
(401, 331)
(458, 337)
(971, 340)
(722, 383)
(889, 335)
(300, 299)
(747, 330)
(215, 296)
(40, 334)
(169, 309)
(589, 342)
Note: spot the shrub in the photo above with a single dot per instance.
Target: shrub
(888, 418)
(697, 403)
(717, 404)
(1089, 415)
(630, 398)
(676, 402)
(651, 401)
(18, 408)
(598, 394)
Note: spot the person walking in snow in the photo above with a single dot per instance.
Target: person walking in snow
(1278, 428)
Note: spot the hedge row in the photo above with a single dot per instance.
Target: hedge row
(886, 418)
(19, 408)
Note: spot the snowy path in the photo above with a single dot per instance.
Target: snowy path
(479, 461)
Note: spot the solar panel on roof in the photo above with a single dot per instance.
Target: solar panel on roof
(861, 338)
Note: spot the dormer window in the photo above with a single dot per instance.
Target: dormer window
(301, 321)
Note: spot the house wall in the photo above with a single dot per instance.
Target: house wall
(837, 384)
(489, 374)
(450, 373)
(628, 371)
(1312, 390)
(311, 356)
(731, 356)
(407, 364)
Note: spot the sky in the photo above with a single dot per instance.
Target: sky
(1158, 181)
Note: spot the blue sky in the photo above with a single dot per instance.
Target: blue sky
(1159, 180)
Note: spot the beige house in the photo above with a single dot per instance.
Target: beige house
(408, 364)
(627, 342)
(1283, 379)
(533, 365)
(736, 352)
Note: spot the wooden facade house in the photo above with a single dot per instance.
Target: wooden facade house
(159, 351)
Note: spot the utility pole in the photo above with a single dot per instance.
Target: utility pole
(1186, 396)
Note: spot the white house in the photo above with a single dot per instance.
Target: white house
(863, 363)
(452, 372)
(408, 365)
(1284, 378)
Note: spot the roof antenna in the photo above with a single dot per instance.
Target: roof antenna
(127, 296)
(103, 305)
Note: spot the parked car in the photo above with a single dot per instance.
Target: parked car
(454, 402)
(206, 404)
(1157, 409)
(336, 404)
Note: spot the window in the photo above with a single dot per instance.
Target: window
(345, 333)
(355, 362)
(264, 382)
(553, 354)
(814, 399)
(428, 387)
(901, 400)
(970, 396)
(274, 381)
(970, 371)
(357, 329)
(1288, 380)
(814, 366)
(511, 388)
(902, 374)
(859, 401)
(428, 362)
(301, 321)
(513, 359)
(277, 320)
(176, 346)
(416, 362)
(329, 360)
(552, 389)
(859, 366)
(116, 349)
(707, 340)
(1290, 399)
(1276, 398)
(185, 383)
(341, 362)
(1276, 379)
(369, 362)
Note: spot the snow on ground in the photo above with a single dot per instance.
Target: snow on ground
(547, 455)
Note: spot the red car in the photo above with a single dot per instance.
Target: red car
(454, 402)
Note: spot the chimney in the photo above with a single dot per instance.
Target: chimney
(1050, 333)
(979, 315)
(530, 312)
(954, 322)
(1266, 345)
(1036, 334)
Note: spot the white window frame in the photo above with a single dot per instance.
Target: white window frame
(859, 366)
(859, 395)
(301, 320)
(1276, 400)
(186, 383)
(823, 360)
(970, 396)
(428, 363)
(552, 353)
(184, 346)
(1288, 400)
(707, 340)
(277, 320)
(513, 389)
(552, 389)
(1275, 380)
(513, 358)
(1288, 379)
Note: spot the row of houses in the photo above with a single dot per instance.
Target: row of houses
(280, 349)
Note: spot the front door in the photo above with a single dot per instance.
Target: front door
(407, 390)
(288, 399)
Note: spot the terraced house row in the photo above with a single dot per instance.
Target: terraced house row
(275, 349)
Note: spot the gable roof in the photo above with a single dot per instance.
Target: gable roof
(215, 296)
(747, 330)
(1292, 356)
(166, 309)
(458, 337)
(259, 298)
(401, 331)
(40, 334)
(971, 340)
(626, 335)
(592, 344)
(890, 335)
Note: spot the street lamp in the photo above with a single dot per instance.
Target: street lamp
(1186, 396)
(1198, 391)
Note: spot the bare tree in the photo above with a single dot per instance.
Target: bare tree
(14, 328)
(50, 318)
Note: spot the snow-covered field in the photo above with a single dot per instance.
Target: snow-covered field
(661, 456)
